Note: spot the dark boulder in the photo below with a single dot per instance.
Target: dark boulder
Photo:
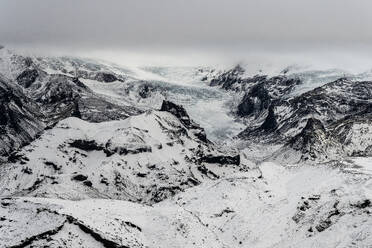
(79, 177)
(27, 77)
(105, 77)
(86, 145)
(88, 183)
(205, 171)
(220, 159)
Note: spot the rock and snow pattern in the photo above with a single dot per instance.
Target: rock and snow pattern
(96, 155)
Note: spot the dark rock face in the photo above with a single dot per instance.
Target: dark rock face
(227, 79)
(145, 91)
(363, 204)
(270, 122)
(256, 100)
(19, 118)
(222, 159)
(58, 89)
(105, 77)
(63, 96)
(47, 100)
(86, 145)
(328, 113)
(79, 177)
(309, 134)
(314, 142)
(108, 149)
(121, 150)
(235, 80)
(177, 111)
(210, 174)
(274, 116)
(183, 116)
(27, 77)
(162, 193)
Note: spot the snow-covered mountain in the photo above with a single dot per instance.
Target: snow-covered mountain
(99, 155)
(305, 126)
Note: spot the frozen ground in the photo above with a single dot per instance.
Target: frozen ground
(268, 207)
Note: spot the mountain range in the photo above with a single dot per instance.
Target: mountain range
(94, 154)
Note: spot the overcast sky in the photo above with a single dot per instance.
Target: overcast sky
(149, 26)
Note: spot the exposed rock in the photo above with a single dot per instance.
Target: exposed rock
(222, 159)
(227, 79)
(176, 110)
(270, 122)
(53, 165)
(105, 77)
(363, 204)
(86, 145)
(323, 225)
(79, 177)
(20, 118)
(313, 143)
(205, 171)
(165, 192)
(312, 133)
(27, 77)
(88, 183)
(256, 100)
(182, 115)
(145, 91)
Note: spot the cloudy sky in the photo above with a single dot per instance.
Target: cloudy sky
(146, 27)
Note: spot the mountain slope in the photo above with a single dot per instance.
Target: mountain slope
(274, 115)
(20, 118)
(145, 158)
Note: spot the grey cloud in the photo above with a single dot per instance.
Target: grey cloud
(184, 23)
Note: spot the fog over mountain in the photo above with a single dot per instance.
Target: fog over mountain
(193, 31)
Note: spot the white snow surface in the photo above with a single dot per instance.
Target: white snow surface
(259, 208)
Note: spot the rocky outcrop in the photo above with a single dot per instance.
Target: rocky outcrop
(63, 96)
(46, 99)
(177, 111)
(105, 77)
(313, 143)
(255, 101)
(86, 145)
(220, 159)
(228, 80)
(270, 122)
(145, 158)
(20, 118)
(27, 77)
(183, 116)
(320, 123)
